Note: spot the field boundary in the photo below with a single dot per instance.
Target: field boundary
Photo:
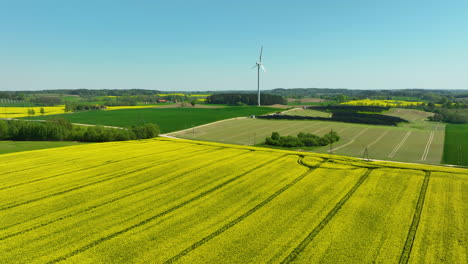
(245, 215)
(154, 217)
(304, 243)
(405, 254)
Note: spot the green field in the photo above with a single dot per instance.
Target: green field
(456, 144)
(177, 201)
(16, 146)
(418, 141)
(168, 119)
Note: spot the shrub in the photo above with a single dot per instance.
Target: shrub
(302, 139)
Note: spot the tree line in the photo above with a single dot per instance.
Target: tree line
(350, 108)
(59, 129)
(347, 117)
(454, 116)
(302, 140)
(244, 99)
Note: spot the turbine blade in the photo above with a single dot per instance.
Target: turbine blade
(261, 51)
(254, 66)
(263, 68)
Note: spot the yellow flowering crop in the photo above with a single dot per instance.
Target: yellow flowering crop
(15, 112)
(183, 201)
(385, 103)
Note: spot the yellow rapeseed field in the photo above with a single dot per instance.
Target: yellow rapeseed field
(15, 112)
(385, 103)
(182, 201)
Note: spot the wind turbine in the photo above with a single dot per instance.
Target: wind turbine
(259, 65)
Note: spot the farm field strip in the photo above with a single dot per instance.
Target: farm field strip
(309, 238)
(428, 146)
(168, 119)
(209, 202)
(377, 216)
(86, 166)
(223, 207)
(415, 146)
(442, 224)
(381, 146)
(212, 127)
(377, 139)
(292, 130)
(77, 181)
(139, 186)
(155, 216)
(414, 224)
(456, 144)
(227, 173)
(243, 216)
(262, 129)
(397, 147)
(351, 141)
(40, 158)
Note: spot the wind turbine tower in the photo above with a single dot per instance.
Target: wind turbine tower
(259, 65)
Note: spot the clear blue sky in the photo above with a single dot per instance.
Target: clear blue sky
(211, 45)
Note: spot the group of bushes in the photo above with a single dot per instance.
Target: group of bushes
(302, 140)
(59, 129)
(72, 107)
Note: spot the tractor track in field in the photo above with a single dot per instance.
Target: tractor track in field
(397, 147)
(82, 170)
(111, 177)
(351, 141)
(247, 214)
(174, 177)
(161, 214)
(304, 243)
(405, 254)
(428, 146)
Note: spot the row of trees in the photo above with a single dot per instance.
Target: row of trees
(302, 140)
(59, 129)
(347, 117)
(72, 107)
(456, 116)
(245, 99)
(350, 108)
